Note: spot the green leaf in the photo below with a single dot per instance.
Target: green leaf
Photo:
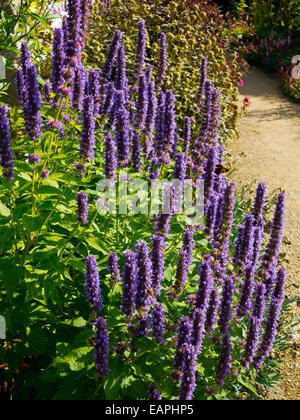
(32, 223)
(247, 385)
(114, 379)
(4, 211)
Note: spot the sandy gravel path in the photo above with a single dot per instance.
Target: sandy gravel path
(269, 150)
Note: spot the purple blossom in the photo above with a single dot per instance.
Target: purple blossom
(259, 302)
(113, 268)
(21, 88)
(251, 341)
(279, 289)
(212, 310)
(169, 123)
(141, 43)
(223, 367)
(272, 250)
(180, 167)
(160, 125)
(136, 153)
(188, 378)
(225, 309)
(181, 272)
(150, 116)
(58, 62)
(157, 259)
(32, 104)
(129, 283)
(257, 242)
(144, 277)
(197, 329)
(210, 170)
(158, 322)
(162, 63)
(78, 88)
(25, 58)
(245, 251)
(184, 331)
(92, 89)
(259, 202)
(269, 334)
(34, 159)
(5, 142)
(247, 292)
(72, 33)
(112, 55)
(142, 102)
(153, 392)
(87, 138)
(108, 100)
(82, 208)
(121, 82)
(188, 244)
(101, 347)
(45, 173)
(110, 157)
(122, 136)
(205, 282)
(92, 284)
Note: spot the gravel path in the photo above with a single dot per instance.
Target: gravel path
(269, 150)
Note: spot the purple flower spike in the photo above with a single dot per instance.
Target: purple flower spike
(87, 138)
(269, 335)
(142, 102)
(32, 104)
(21, 88)
(101, 347)
(223, 367)
(184, 331)
(158, 322)
(5, 142)
(110, 157)
(144, 277)
(187, 134)
(197, 330)
(160, 125)
(279, 289)
(82, 208)
(129, 284)
(153, 392)
(269, 259)
(25, 58)
(157, 258)
(121, 82)
(225, 310)
(78, 88)
(122, 136)
(58, 62)
(212, 311)
(162, 63)
(111, 56)
(251, 341)
(150, 117)
(247, 291)
(136, 153)
(188, 244)
(72, 33)
(259, 302)
(181, 273)
(259, 203)
(169, 123)
(188, 378)
(204, 288)
(141, 43)
(92, 284)
(113, 268)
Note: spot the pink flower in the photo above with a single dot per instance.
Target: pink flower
(240, 82)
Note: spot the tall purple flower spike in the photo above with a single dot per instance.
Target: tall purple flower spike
(101, 352)
(92, 284)
(5, 142)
